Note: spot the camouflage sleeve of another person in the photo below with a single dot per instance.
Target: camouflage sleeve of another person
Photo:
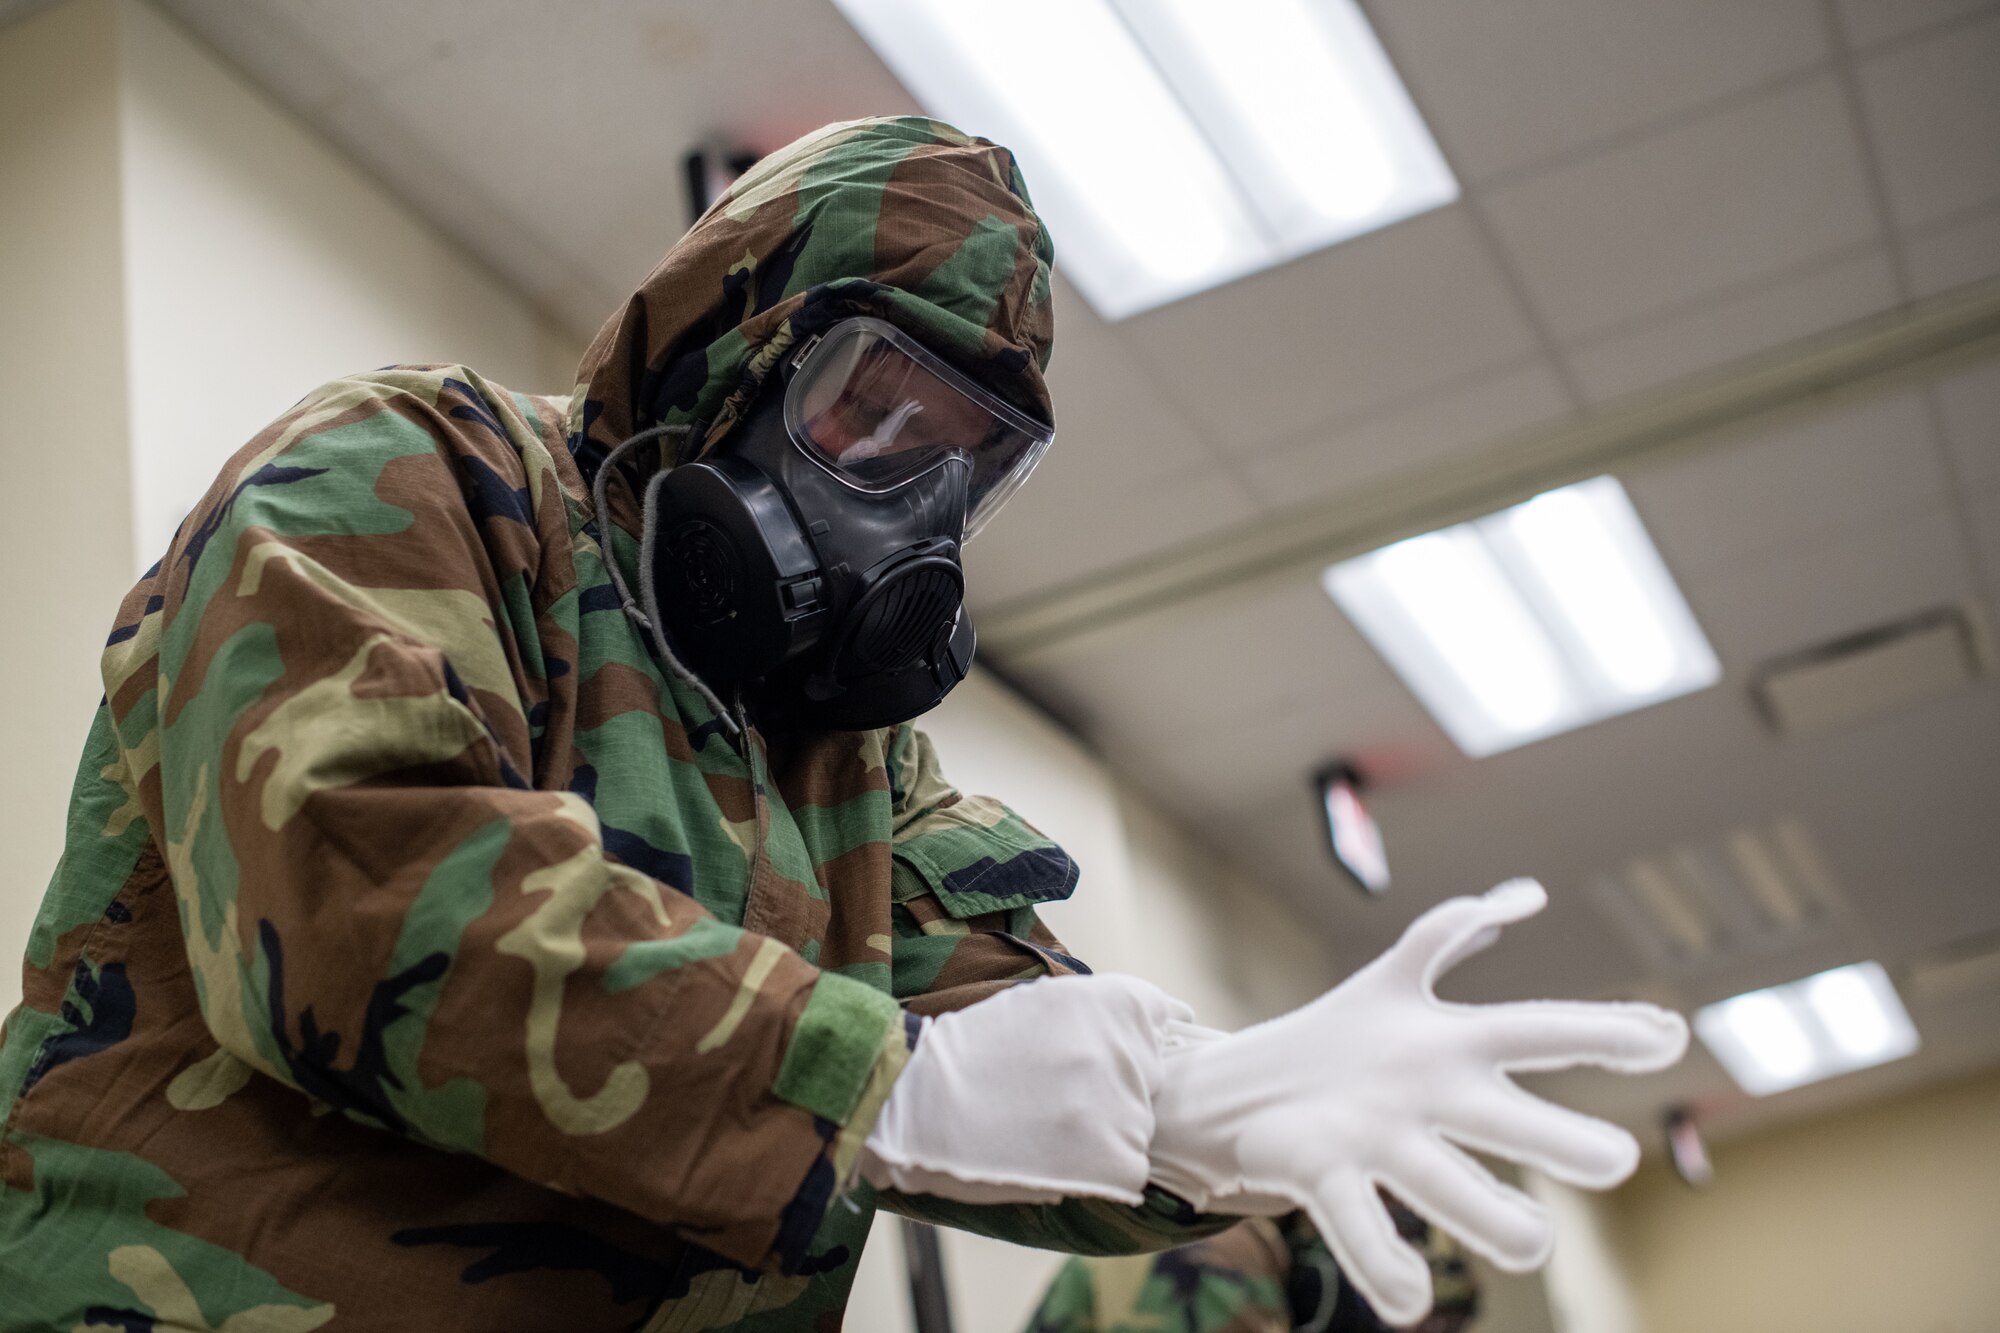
(1234, 1282)
(1322, 1300)
(380, 907)
(1455, 1293)
(966, 875)
(1261, 1276)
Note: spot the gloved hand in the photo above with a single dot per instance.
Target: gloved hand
(1042, 1092)
(1374, 1082)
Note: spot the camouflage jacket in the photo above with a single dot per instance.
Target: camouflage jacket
(424, 955)
(1262, 1276)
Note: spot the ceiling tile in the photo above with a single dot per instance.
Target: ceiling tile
(1908, 561)
(1065, 523)
(1969, 402)
(1565, 807)
(1728, 328)
(1267, 758)
(1870, 22)
(17, 11)
(259, 39)
(1237, 695)
(409, 163)
(1933, 111)
(1983, 514)
(604, 171)
(1731, 199)
(1952, 254)
(1109, 408)
(1508, 83)
(1786, 489)
(1283, 847)
(1449, 422)
(364, 39)
(1360, 325)
(1126, 477)
(1559, 809)
(1906, 802)
(1914, 861)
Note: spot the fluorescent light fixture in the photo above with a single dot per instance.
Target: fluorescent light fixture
(1172, 145)
(1540, 618)
(1804, 1031)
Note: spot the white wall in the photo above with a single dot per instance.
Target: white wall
(260, 263)
(179, 262)
(62, 430)
(1589, 1287)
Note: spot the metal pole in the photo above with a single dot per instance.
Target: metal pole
(929, 1300)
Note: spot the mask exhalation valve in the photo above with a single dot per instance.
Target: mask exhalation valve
(897, 620)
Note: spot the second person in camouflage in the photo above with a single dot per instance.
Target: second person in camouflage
(1267, 1275)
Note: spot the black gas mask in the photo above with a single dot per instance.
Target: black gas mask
(813, 561)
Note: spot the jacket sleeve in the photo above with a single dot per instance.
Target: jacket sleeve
(380, 906)
(967, 874)
(1233, 1282)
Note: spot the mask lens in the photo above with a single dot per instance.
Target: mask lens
(872, 405)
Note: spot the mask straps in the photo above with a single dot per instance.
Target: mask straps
(648, 618)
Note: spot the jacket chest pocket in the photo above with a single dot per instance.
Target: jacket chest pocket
(976, 857)
(966, 881)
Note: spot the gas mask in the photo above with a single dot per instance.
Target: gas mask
(813, 561)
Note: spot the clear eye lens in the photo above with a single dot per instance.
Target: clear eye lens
(878, 409)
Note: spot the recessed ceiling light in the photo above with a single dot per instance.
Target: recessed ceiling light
(1531, 621)
(1831, 1023)
(1174, 144)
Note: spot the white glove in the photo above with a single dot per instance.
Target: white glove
(1042, 1092)
(1365, 1086)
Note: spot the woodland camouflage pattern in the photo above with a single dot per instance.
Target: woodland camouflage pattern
(1262, 1276)
(423, 956)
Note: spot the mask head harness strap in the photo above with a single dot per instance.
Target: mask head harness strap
(647, 617)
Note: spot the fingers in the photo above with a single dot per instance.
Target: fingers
(1351, 1219)
(1457, 928)
(1574, 1148)
(1559, 1034)
(1458, 1194)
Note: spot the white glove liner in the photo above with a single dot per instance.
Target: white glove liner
(1041, 1092)
(1373, 1083)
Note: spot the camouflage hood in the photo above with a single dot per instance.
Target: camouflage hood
(904, 218)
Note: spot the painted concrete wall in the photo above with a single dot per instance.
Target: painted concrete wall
(181, 262)
(259, 262)
(1883, 1217)
(65, 546)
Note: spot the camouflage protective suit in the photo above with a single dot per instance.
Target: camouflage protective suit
(1263, 1276)
(422, 954)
